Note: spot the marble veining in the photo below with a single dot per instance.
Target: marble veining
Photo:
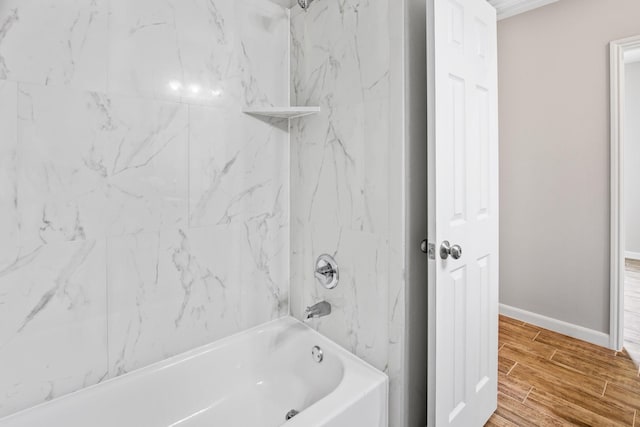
(237, 168)
(357, 321)
(263, 22)
(52, 323)
(340, 53)
(176, 289)
(339, 207)
(141, 212)
(199, 51)
(9, 219)
(335, 168)
(168, 291)
(70, 51)
(97, 166)
(340, 174)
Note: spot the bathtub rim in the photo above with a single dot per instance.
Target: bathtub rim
(377, 377)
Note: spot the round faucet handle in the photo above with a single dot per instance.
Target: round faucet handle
(327, 271)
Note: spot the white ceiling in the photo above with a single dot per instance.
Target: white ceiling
(509, 8)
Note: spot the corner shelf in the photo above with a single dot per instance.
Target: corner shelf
(282, 112)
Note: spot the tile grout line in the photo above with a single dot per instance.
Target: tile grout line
(534, 338)
(605, 388)
(555, 350)
(527, 396)
(514, 365)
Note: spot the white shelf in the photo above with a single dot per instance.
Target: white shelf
(282, 112)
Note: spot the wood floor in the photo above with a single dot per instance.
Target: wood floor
(632, 309)
(548, 379)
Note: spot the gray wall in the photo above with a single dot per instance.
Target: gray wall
(554, 149)
(632, 159)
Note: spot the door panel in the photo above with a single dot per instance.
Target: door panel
(463, 158)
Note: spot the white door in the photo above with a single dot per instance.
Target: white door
(463, 196)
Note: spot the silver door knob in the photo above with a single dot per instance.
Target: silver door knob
(446, 249)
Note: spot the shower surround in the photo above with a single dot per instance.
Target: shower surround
(338, 193)
(347, 179)
(141, 213)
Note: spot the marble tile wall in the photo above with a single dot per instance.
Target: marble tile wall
(347, 177)
(141, 213)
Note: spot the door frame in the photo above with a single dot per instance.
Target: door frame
(618, 48)
(431, 223)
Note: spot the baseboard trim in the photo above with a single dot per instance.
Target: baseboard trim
(632, 255)
(565, 328)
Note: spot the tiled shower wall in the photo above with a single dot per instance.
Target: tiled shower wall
(347, 177)
(141, 213)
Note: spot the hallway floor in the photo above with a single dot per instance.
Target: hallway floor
(632, 309)
(548, 379)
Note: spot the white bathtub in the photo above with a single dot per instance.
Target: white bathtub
(250, 379)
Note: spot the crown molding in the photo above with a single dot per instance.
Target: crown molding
(509, 8)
